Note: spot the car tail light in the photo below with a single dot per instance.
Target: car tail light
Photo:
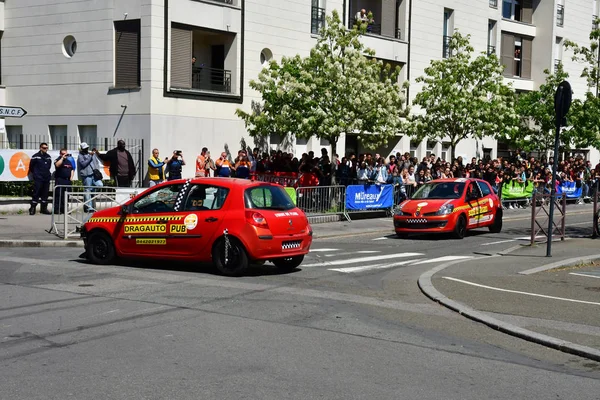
(256, 219)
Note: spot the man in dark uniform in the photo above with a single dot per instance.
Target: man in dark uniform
(65, 168)
(39, 168)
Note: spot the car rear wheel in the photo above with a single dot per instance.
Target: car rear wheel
(100, 248)
(460, 229)
(229, 256)
(496, 226)
(288, 263)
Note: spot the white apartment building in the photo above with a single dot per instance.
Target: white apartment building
(74, 64)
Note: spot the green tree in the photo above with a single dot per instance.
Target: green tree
(340, 88)
(464, 97)
(536, 109)
(584, 115)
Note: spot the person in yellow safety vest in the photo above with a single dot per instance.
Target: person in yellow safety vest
(156, 168)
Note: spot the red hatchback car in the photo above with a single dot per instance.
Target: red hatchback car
(231, 222)
(450, 205)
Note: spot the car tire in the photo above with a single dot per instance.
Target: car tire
(460, 229)
(100, 248)
(496, 226)
(288, 263)
(236, 262)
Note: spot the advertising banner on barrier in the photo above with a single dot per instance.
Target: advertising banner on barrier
(570, 189)
(515, 190)
(14, 164)
(369, 197)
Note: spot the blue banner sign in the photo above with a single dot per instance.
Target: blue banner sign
(369, 197)
(570, 189)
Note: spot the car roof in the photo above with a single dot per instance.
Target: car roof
(456, 180)
(237, 182)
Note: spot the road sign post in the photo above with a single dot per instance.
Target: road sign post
(562, 103)
(12, 112)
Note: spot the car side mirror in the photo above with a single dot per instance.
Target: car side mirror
(125, 209)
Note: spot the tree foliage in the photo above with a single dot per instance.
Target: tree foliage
(464, 97)
(588, 56)
(536, 109)
(339, 88)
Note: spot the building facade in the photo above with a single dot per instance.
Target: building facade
(173, 72)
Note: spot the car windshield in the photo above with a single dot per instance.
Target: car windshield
(440, 190)
(268, 198)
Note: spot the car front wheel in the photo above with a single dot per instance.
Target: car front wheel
(460, 229)
(288, 263)
(100, 248)
(496, 226)
(229, 256)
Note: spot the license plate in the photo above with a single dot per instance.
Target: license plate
(290, 245)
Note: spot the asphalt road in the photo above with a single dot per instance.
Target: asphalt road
(351, 323)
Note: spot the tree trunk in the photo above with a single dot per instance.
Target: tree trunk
(333, 144)
(453, 151)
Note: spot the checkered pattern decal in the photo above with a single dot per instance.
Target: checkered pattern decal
(416, 221)
(294, 244)
(139, 219)
(182, 193)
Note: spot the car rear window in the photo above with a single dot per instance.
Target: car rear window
(268, 198)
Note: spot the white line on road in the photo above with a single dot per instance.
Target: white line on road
(370, 267)
(382, 238)
(322, 250)
(361, 259)
(524, 293)
(586, 275)
(500, 241)
(442, 259)
(354, 252)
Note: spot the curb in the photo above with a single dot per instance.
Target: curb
(558, 264)
(430, 291)
(40, 243)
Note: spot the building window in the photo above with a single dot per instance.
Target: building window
(445, 154)
(414, 145)
(491, 48)
(594, 22)
(88, 134)
(448, 29)
(58, 136)
(127, 54)
(560, 15)
(388, 17)
(517, 10)
(14, 134)
(317, 17)
(516, 56)
(430, 147)
(199, 59)
(494, 3)
(558, 52)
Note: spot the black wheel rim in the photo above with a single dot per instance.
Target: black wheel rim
(100, 248)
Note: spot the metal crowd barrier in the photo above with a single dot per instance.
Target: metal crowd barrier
(403, 192)
(322, 200)
(77, 209)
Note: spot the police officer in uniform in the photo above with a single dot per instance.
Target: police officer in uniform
(65, 168)
(39, 168)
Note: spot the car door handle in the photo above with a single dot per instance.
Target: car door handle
(211, 219)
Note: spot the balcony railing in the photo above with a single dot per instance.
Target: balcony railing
(491, 50)
(446, 51)
(494, 3)
(560, 15)
(214, 79)
(317, 20)
(594, 22)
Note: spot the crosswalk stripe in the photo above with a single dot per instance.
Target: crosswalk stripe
(354, 252)
(441, 259)
(370, 267)
(382, 238)
(322, 250)
(362, 259)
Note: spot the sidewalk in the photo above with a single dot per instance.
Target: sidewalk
(551, 301)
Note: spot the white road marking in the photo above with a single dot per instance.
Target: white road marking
(586, 275)
(354, 252)
(362, 259)
(529, 237)
(524, 293)
(382, 238)
(370, 267)
(322, 250)
(498, 242)
(443, 259)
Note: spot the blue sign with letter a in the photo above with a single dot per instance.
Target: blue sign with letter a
(369, 197)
